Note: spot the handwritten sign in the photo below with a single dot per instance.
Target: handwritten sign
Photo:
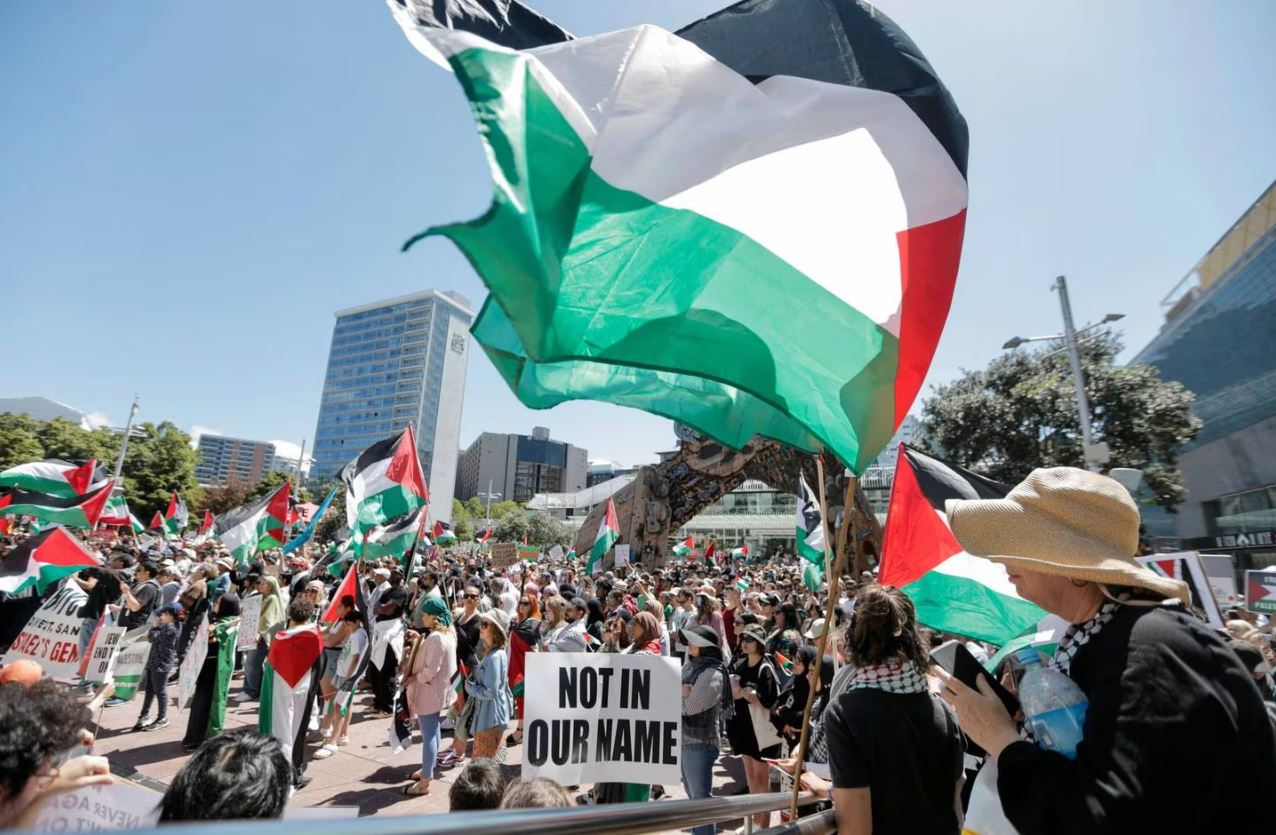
(249, 613)
(622, 555)
(600, 718)
(103, 653)
(504, 554)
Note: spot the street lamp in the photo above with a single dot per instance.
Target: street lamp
(1095, 455)
(489, 495)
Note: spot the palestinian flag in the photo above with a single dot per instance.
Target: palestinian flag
(6, 525)
(115, 511)
(73, 511)
(527, 552)
(206, 525)
(249, 528)
(592, 644)
(608, 533)
(395, 539)
(443, 534)
(55, 477)
(813, 576)
(752, 225)
(484, 536)
(135, 523)
(810, 525)
(351, 586)
(742, 584)
(43, 560)
(710, 553)
(176, 516)
(157, 522)
(383, 483)
(953, 591)
(740, 553)
(286, 682)
(785, 664)
(684, 549)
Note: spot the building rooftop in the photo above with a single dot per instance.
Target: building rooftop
(448, 297)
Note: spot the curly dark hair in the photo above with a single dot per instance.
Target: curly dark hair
(36, 723)
(883, 626)
(233, 776)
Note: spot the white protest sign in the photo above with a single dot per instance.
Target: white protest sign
(188, 675)
(129, 665)
(51, 637)
(1186, 566)
(593, 718)
(556, 553)
(103, 653)
(122, 805)
(249, 612)
(1220, 571)
(622, 555)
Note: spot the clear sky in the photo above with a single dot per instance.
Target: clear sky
(189, 190)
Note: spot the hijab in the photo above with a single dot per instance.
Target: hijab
(435, 606)
(649, 640)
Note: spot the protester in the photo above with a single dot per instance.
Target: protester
(537, 793)
(789, 712)
(488, 686)
(159, 664)
(242, 775)
(342, 678)
(140, 599)
(39, 722)
(1168, 701)
(104, 587)
(428, 676)
(753, 685)
(208, 703)
(390, 605)
(480, 785)
(706, 703)
(269, 620)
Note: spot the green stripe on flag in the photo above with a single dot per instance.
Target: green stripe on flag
(967, 607)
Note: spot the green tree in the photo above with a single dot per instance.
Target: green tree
(159, 460)
(64, 439)
(546, 530)
(462, 522)
(1020, 413)
(510, 527)
(222, 498)
(19, 443)
(271, 481)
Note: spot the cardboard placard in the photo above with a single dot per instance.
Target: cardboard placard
(595, 718)
(188, 673)
(129, 665)
(1220, 572)
(103, 654)
(556, 553)
(504, 554)
(249, 613)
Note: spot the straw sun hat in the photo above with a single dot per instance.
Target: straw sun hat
(1065, 522)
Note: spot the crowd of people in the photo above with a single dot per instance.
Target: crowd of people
(894, 741)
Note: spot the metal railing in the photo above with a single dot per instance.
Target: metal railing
(609, 819)
(820, 823)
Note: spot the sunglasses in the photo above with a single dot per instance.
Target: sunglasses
(469, 596)
(524, 603)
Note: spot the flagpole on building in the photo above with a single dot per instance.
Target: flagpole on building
(824, 637)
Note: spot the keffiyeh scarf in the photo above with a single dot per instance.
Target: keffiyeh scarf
(1079, 634)
(893, 676)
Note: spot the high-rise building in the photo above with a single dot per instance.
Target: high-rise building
(1218, 342)
(224, 460)
(393, 363)
(520, 466)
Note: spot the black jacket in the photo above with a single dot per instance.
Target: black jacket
(1176, 738)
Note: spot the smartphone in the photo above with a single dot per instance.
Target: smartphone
(956, 660)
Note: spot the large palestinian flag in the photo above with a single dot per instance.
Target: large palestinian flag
(176, 515)
(395, 539)
(384, 482)
(953, 591)
(683, 550)
(55, 477)
(42, 560)
(74, 511)
(247, 529)
(752, 225)
(608, 533)
(116, 511)
(809, 529)
(286, 680)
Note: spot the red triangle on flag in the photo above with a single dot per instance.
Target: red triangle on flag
(81, 477)
(916, 538)
(293, 655)
(96, 503)
(405, 466)
(349, 586)
(207, 524)
(157, 521)
(172, 506)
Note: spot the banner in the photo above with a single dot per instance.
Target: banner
(51, 637)
(249, 613)
(129, 665)
(602, 718)
(103, 653)
(1186, 566)
(504, 554)
(121, 805)
(1220, 571)
(1260, 591)
(188, 674)
(556, 553)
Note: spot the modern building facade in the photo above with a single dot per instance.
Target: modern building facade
(392, 364)
(1219, 340)
(601, 470)
(224, 460)
(520, 466)
(909, 432)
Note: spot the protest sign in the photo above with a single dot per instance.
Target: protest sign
(121, 805)
(129, 665)
(594, 718)
(1186, 566)
(504, 554)
(1220, 571)
(188, 674)
(556, 553)
(103, 653)
(622, 556)
(51, 637)
(249, 612)
(1260, 591)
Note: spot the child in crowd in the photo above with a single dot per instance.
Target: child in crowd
(163, 637)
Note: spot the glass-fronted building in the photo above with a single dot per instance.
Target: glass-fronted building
(1219, 341)
(393, 363)
(518, 467)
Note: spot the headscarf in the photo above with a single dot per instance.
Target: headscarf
(272, 606)
(649, 640)
(435, 606)
(595, 608)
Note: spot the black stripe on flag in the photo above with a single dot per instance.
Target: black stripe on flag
(18, 496)
(380, 451)
(940, 480)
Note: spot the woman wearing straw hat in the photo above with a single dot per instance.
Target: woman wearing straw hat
(1168, 701)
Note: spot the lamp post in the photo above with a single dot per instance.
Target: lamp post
(1095, 455)
(489, 495)
(128, 431)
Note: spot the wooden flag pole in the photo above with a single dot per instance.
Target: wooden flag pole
(828, 628)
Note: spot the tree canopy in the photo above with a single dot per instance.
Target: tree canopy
(1020, 413)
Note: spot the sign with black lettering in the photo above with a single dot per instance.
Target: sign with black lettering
(504, 554)
(51, 637)
(592, 718)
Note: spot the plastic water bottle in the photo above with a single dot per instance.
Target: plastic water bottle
(1053, 704)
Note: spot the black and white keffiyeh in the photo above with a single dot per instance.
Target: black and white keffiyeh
(893, 676)
(1079, 634)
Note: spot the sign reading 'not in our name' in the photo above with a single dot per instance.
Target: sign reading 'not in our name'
(602, 718)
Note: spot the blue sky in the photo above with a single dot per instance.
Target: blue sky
(190, 190)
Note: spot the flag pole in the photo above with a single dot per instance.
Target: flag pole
(823, 639)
